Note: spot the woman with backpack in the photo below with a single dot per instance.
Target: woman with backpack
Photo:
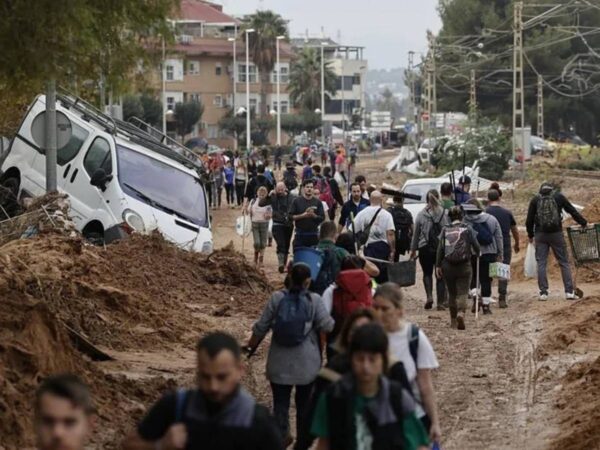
(410, 347)
(458, 243)
(427, 229)
(296, 317)
(489, 237)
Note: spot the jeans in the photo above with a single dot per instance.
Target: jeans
(484, 274)
(555, 241)
(260, 231)
(240, 187)
(229, 194)
(302, 239)
(427, 262)
(379, 250)
(217, 191)
(281, 406)
(458, 279)
(503, 284)
(283, 237)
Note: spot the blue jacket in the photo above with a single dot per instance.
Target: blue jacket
(461, 196)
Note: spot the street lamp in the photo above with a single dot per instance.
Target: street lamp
(317, 111)
(234, 40)
(248, 137)
(279, 38)
(322, 111)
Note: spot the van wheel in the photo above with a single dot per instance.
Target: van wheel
(94, 237)
(9, 190)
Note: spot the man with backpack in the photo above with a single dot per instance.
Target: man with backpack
(296, 317)
(217, 415)
(290, 178)
(508, 225)
(332, 258)
(374, 229)
(257, 181)
(283, 226)
(458, 244)
(489, 237)
(544, 227)
(403, 221)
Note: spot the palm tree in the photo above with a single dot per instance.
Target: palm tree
(267, 26)
(305, 80)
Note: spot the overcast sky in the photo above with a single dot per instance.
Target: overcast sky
(388, 29)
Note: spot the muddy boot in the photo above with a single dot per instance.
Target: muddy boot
(261, 258)
(256, 259)
(281, 262)
(453, 323)
(460, 321)
(486, 307)
(502, 302)
(428, 283)
(270, 242)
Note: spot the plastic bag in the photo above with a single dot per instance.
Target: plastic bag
(243, 226)
(530, 262)
(500, 271)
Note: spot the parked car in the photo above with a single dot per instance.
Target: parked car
(118, 177)
(420, 187)
(540, 147)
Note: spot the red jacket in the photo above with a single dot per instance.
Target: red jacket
(353, 291)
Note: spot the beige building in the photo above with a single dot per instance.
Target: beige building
(201, 67)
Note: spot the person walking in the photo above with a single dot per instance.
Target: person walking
(307, 213)
(362, 181)
(410, 346)
(329, 189)
(218, 414)
(296, 317)
(425, 240)
(257, 181)
(489, 236)
(307, 170)
(365, 409)
(508, 225)
(352, 207)
(229, 173)
(403, 221)
(544, 228)
(332, 258)
(261, 213)
(283, 226)
(446, 200)
(378, 224)
(278, 157)
(241, 177)
(458, 244)
(462, 191)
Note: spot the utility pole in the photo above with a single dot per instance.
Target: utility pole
(540, 107)
(50, 136)
(431, 87)
(518, 89)
(473, 98)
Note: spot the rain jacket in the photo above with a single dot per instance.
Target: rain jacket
(497, 245)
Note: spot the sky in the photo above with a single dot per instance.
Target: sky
(388, 29)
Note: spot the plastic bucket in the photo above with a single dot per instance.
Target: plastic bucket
(311, 257)
(403, 273)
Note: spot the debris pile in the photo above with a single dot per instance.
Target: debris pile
(58, 292)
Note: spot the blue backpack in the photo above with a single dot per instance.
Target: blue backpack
(484, 235)
(294, 312)
(330, 268)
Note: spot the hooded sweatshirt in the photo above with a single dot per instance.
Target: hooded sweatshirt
(497, 245)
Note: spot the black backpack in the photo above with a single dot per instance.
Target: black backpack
(402, 221)
(433, 239)
(457, 245)
(484, 235)
(289, 179)
(548, 217)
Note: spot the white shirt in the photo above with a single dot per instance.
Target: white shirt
(426, 358)
(327, 297)
(383, 223)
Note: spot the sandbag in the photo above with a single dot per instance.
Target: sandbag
(530, 262)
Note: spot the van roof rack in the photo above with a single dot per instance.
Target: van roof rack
(136, 130)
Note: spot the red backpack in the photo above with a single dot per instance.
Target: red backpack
(353, 291)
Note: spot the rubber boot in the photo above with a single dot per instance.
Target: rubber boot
(502, 301)
(256, 258)
(460, 321)
(428, 283)
(281, 262)
(261, 258)
(453, 323)
(486, 306)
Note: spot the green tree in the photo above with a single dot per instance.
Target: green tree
(187, 115)
(388, 102)
(132, 107)
(305, 79)
(153, 109)
(296, 124)
(267, 25)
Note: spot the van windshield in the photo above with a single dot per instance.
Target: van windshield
(419, 189)
(162, 186)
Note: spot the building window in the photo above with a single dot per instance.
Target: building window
(171, 103)
(170, 73)
(253, 104)
(242, 73)
(218, 69)
(194, 97)
(285, 106)
(193, 68)
(285, 74)
(212, 132)
(218, 101)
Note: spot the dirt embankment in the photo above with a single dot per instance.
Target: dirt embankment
(137, 294)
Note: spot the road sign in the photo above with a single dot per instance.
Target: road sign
(64, 130)
(381, 121)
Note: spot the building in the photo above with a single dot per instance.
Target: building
(201, 67)
(350, 67)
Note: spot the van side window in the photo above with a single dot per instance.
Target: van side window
(69, 151)
(98, 156)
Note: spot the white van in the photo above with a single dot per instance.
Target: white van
(119, 178)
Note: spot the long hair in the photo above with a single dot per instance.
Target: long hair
(433, 200)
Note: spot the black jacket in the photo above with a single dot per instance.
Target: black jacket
(281, 207)
(256, 182)
(563, 204)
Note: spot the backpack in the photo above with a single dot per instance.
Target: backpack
(294, 312)
(402, 221)
(484, 235)
(433, 239)
(345, 302)
(324, 188)
(330, 267)
(548, 217)
(397, 371)
(457, 248)
(289, 179)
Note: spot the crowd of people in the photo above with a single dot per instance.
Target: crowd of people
(359, 369)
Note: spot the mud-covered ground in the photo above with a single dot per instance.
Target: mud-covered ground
(525, 377)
